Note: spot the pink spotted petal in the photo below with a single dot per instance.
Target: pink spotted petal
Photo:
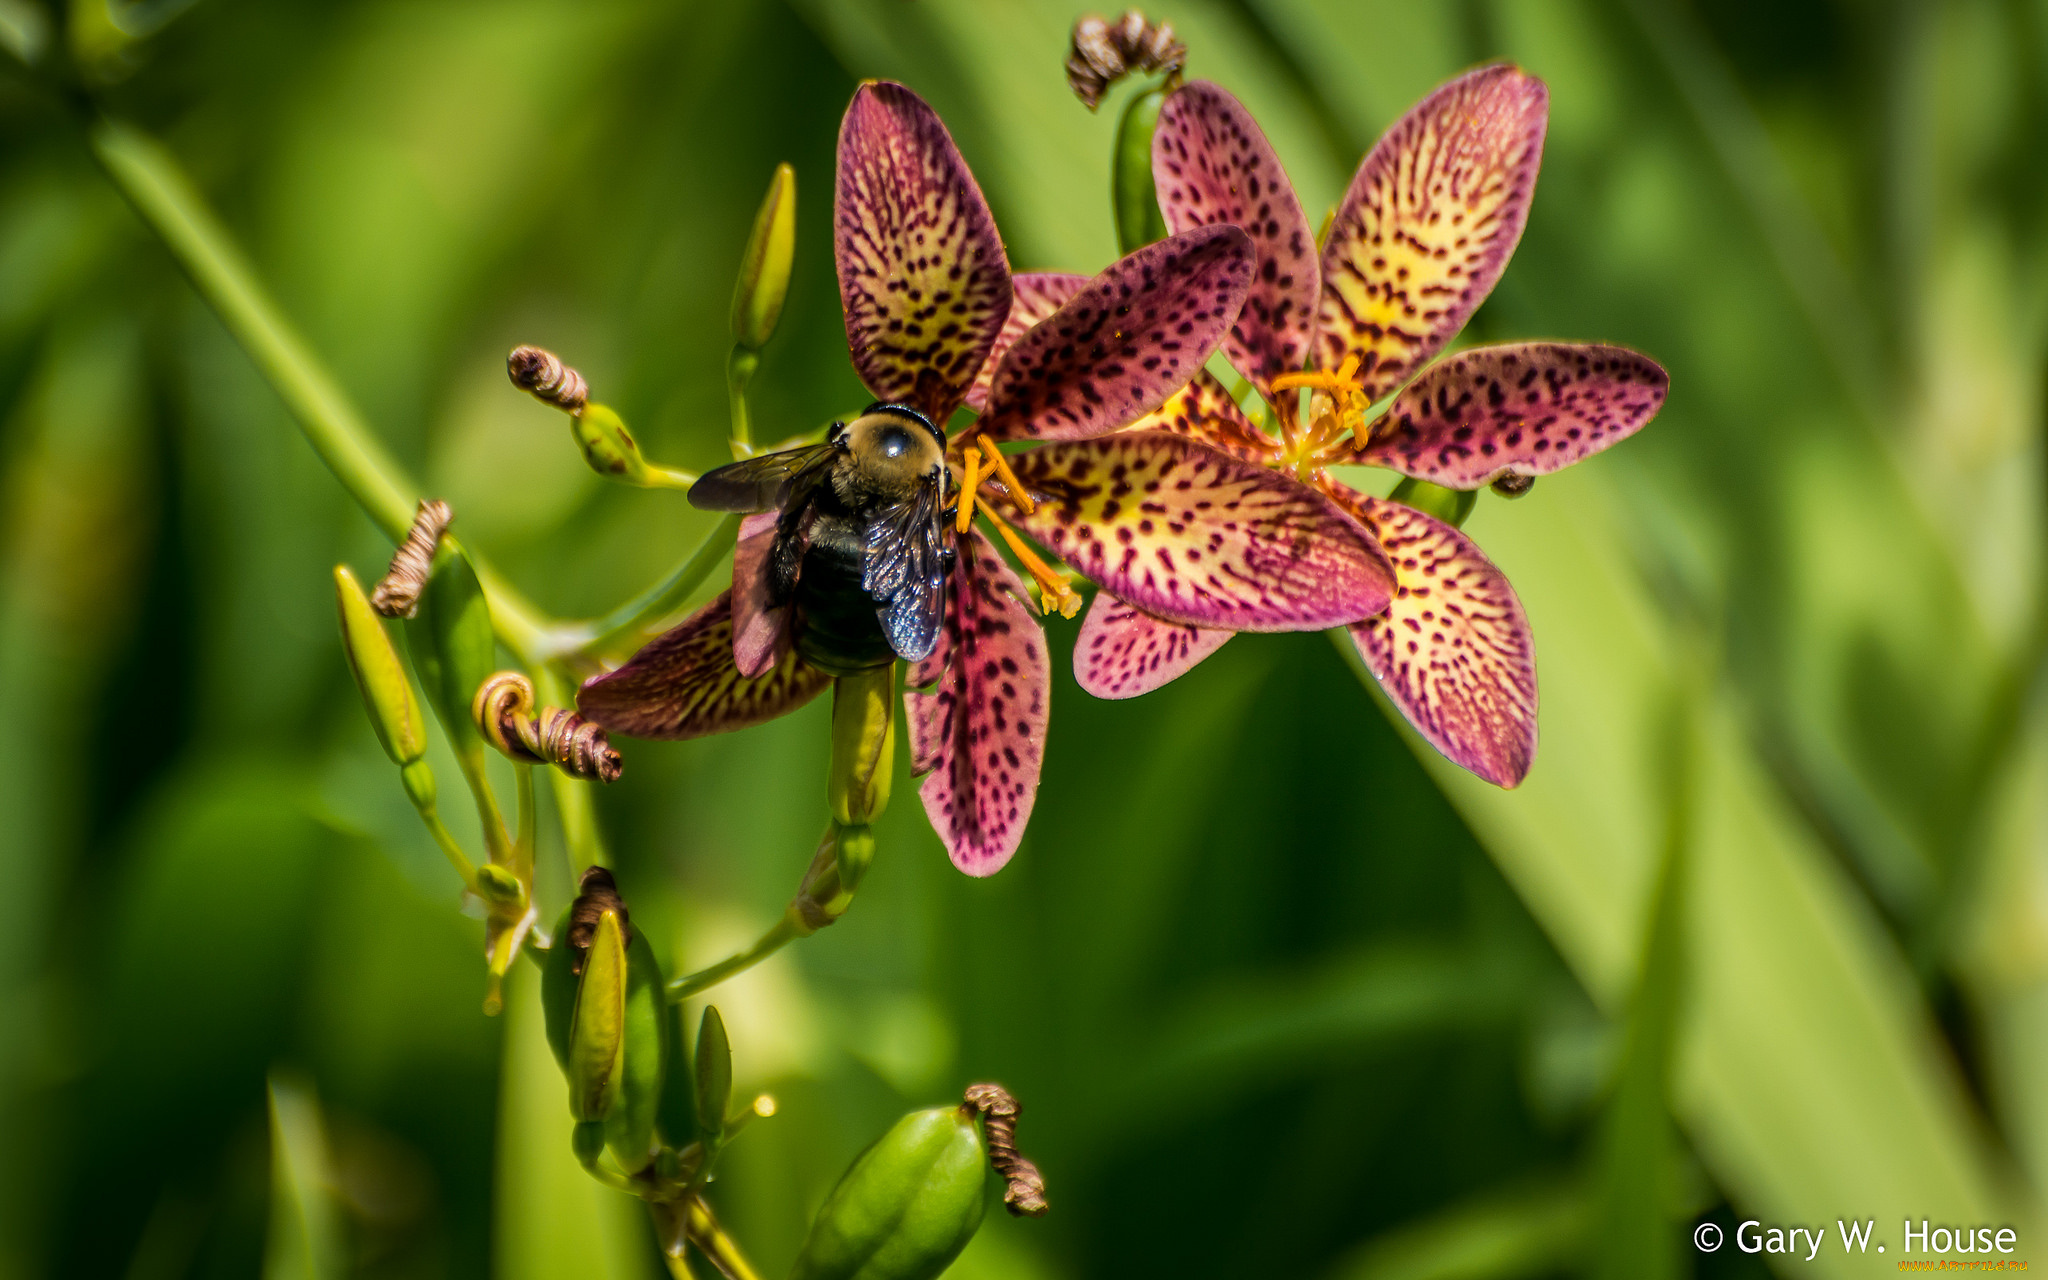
(923, 278)
(1429, 222)
(979, 732)
(1204, 411)
(1453, 650)
(760, 635)
(684, 684)
(1212, 165)
(1126, 341)
(1037, 295)
(1123, 652)
(1530, 408)
(1192, 535)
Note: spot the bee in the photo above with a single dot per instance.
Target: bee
(858, 548)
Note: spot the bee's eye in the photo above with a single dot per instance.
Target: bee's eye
(835, 431)
(894, 442)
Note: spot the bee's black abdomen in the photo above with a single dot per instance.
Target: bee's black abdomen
(836, 628)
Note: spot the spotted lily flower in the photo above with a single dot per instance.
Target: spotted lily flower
(1418, 241)
(1190, 534)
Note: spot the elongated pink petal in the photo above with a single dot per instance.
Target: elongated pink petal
(1530, 408)
(980, 730)
(1212, 165)
(1204, 411)
(1453, 650)
(684, 684)
(1429, 222)
(922, 274)
(1123, 652)
(1037, 294)
(1128, 339)
(1192, 535)
(760, 635)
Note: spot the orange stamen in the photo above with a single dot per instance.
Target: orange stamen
(965, 516)
(1010, 481)
(1053, 589)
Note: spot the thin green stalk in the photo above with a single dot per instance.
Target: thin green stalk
(709, 1236)
(446, 839)
(634, 620)
(582, 842)
(786, 929)
(522, 848)
(152, 182)
(739, 371)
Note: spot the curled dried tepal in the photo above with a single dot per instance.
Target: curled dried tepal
(398, 593)
(1104, 52)
(505, 712)
(541, 372)
(1024, 1186)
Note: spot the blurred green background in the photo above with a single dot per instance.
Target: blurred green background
(1765, 935)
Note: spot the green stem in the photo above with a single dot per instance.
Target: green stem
(709, 1236)
(637, 619)
(522, 848)
(582, 842)
(150, 179)
(690, 984)
(739, 371)
(446, 839)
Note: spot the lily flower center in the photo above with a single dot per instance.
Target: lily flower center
(985, 467)
(1335, 412)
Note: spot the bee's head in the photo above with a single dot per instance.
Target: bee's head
(892, 443)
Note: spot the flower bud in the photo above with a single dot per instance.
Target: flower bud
(597, 1031)
(907, 1206)
(714, 1077)
(454, 648)
(1451, 506)
(617, 1007)
(863, 745)
(764, 267)
(1132, 193)
(380, 676)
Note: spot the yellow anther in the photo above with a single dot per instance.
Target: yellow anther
(972, 457)
(1054, 592)
(1010, 481)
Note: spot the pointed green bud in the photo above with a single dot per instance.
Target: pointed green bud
(632, 1128)
(1131, 193)
(1451, 506)
(597, 1032)
(714, 1077)
(380, 676)
(764, 267)
(499, 888)
(863, 745)
(454, 648)
(907, 1206)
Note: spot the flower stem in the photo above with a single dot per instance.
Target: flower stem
(635, 621)
(446, 839)
(148, 176)
(739, 371)
(690, 984)
(581, 840)
(710, 1237)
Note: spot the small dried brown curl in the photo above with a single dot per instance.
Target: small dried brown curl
(1024, 1192)
(398, 593)
(504, 711)
(542, 373)
(597, 894)
(1104, 53)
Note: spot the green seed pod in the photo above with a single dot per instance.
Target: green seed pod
(764, 267)
(455, 650)
(380, 676)
(863, 745)
(644, 1038)
(1131, 193)
(607, 446)
(907, 1206)
(1451, 506)
(714, 1077)
(597, 1031)
(631, 1128)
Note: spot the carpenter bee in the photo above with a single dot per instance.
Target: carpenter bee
(857, 549)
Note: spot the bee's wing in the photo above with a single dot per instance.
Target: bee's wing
(904, 572)
(765, 483)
